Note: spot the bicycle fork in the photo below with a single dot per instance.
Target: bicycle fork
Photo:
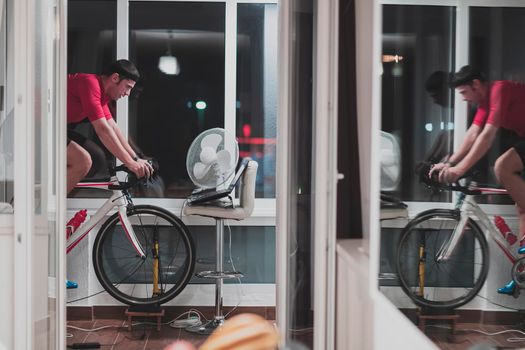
(450, 245)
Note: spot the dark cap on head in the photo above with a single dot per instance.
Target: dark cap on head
(466, 75)
(124, 68)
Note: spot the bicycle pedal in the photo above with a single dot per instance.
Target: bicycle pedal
(516, 292)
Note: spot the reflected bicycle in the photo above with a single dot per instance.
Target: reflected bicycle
(143, 255)
(443, 256)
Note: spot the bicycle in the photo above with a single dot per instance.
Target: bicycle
(143, 255)
(443, 256)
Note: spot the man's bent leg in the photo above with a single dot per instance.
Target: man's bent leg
(78, 164)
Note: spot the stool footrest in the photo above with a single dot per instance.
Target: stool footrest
(219, 274)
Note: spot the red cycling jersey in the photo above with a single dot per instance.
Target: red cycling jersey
(86, 98)
(504, 107)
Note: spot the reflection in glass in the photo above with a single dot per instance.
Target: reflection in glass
(6, 128)
(417, 121)
(417, 105)
(165, 119)
(300, 287)
(494, 47)
(257, 90)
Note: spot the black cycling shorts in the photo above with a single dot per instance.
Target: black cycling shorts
(98, 155)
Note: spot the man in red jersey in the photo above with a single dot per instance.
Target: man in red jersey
(88, 96)
(500, 104)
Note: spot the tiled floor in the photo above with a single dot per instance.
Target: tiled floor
(146, 336)
(142, 337)
(466, 338)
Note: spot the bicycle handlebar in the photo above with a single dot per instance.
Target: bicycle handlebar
(436, 185)
(132, 179)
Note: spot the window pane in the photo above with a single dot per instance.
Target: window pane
(91, 46)
(257, 90)
(495, 47)
(164, 120)
(417, 105)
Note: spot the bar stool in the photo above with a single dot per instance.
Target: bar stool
(219, 213)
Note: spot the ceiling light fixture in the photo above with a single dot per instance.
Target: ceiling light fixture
(169, 64)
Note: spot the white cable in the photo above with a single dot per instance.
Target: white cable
(190, 321)
(92, 329)
(510, 340)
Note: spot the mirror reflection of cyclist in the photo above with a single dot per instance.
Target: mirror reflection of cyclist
(500, 104)
(88, 96)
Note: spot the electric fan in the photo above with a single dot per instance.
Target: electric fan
(212, 158)
(390, 162)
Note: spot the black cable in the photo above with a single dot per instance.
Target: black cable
(83, 298)
(503, 306)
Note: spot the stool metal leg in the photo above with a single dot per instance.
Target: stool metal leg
(218, 320)
(219, 261)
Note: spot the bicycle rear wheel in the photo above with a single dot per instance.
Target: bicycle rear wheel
(155, 279)
(441, 284)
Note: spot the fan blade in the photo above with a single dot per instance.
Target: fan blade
(200, 170)
(211, 140)
(208, 155)
(224, 159)
(388, 157)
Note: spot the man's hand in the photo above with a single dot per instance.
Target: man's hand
(437, 168)
(450, 174)
(446, 172)
(141, 168)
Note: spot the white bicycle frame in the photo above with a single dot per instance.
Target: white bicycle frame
(118, 200)
(470, 209)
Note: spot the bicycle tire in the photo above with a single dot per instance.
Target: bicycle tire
(128, 277)
(446, 284)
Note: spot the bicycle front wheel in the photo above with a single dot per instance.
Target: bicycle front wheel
(448, 283)
(158, 277)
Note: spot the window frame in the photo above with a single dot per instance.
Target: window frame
(460, 111)
(264, 208)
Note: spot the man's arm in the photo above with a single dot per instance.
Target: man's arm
(111, 141)
(121, 138)
(479, 149)
(128, 148)
(470, 137)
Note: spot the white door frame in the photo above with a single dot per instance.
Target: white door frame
(23, 72)
(324, 165)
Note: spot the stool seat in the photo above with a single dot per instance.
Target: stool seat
(214, 211)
